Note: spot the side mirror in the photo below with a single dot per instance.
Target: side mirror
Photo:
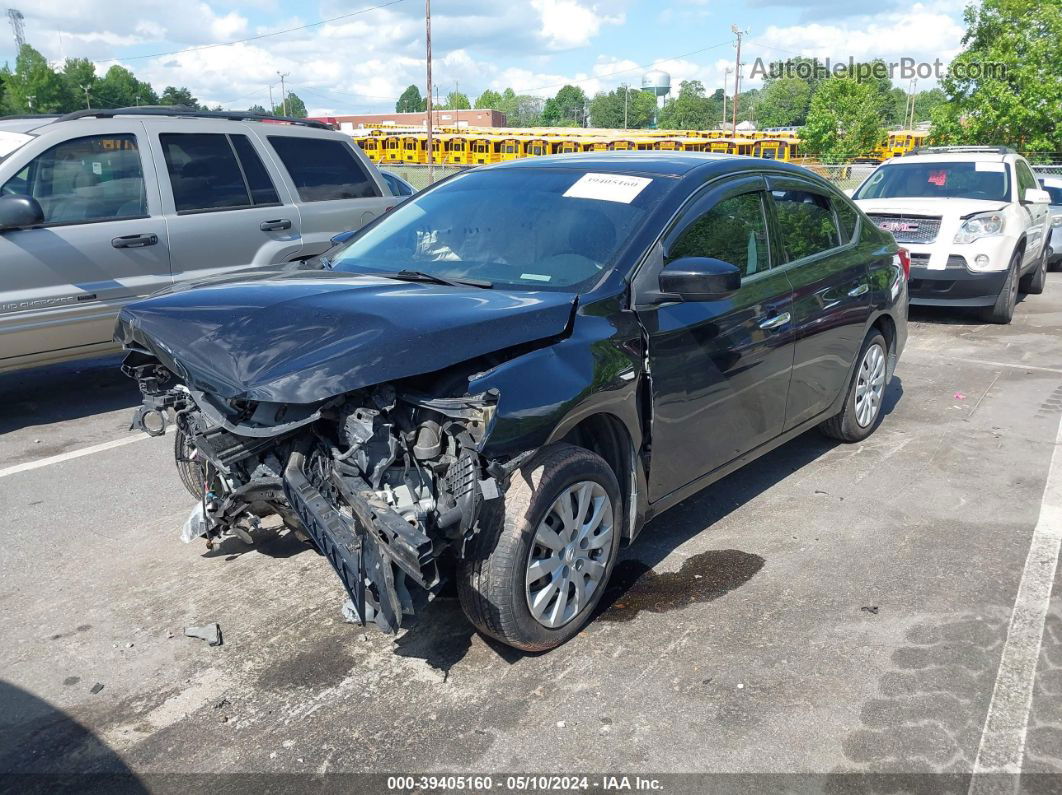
(18, 212)
(1037, 196)
(342, 237)
(699, 279)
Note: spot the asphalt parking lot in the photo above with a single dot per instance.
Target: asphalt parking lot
(828, 609)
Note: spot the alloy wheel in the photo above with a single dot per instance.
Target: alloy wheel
(870, 386)
(569, 554)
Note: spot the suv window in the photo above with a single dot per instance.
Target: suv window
(323, 170)
(96, 178)
(734, 230)
(807, 223)
(1026, 179)
(206, 174)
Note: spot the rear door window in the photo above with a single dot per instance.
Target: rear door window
(207, 174)
(323, 170)
(95, 178)
(806, 221)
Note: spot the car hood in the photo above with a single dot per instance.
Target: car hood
(952, 208)
(305, 337)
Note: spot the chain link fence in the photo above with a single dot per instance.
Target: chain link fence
(843, 176)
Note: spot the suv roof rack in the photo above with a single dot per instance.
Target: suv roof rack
(28, 116)
(941, 150)
(183, 111)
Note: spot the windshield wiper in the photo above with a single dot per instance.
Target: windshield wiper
(421, 276)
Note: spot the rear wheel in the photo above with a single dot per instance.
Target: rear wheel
(1034, 283)
(866, 394)
(539, 564)
(1002, 311)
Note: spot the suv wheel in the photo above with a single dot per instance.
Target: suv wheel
(1002, 311)
(1033, 283)
(539, 564)
(866, 394)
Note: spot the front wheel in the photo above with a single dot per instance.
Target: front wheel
(1034, 283)
(866, 394)
(539, 564)
(1002, 311)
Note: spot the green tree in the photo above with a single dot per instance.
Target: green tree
(296, 108)
(455, 100)
(784, 103)
(1019, 105)
(607, 109)
(171, 95)
(119, 88)
(257, 109)
(690, 109)
(34, 87)
(808, 70)
(79, 74)
(411, 101)
(488, 100)
(843, 121)
(566, 109)
(521, 110)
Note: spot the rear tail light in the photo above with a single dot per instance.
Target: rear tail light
(904, 256)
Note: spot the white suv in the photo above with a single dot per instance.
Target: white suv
(101, 208)
(974, 220)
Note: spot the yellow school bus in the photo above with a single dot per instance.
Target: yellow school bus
(510, 148)
(538, 146)
(483, 150)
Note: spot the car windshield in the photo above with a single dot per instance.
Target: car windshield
(533, 229)
(943, 180)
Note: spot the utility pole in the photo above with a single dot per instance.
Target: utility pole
(427, 40)
(737, 72)
(726, 77)
(284, 92)
(911, 99)
(86, 88)
(272, 107)
(626, 93)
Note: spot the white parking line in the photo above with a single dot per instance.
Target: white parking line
(1002, 745)
(56, 459)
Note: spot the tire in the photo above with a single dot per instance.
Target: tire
(1002, 311)
(859, 418)
(1034, 283)
(492, 581)
(188, 468)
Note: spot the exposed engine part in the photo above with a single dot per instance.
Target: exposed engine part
(382, 482)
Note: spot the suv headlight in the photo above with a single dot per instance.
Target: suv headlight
(981, 225)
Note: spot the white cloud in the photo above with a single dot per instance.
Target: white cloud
(918, 33)
(567, 23)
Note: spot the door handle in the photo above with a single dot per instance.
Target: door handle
(862, 289)
(275, 226)
(134, 241)
(776, 321)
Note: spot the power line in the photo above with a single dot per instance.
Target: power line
(258, 37)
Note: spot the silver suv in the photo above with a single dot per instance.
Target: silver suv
(100, 208)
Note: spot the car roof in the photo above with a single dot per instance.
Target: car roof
(672, 164)
(951, 157)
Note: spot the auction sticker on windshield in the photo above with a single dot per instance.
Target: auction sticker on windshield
(607, 187)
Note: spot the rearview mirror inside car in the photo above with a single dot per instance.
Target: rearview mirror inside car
(1037, 196)
(18, 212)
(699, 279)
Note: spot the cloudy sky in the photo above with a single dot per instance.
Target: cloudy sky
(358, 55)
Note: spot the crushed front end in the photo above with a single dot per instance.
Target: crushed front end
(387, 483)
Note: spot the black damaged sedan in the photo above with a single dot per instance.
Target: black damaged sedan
(506, 377)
